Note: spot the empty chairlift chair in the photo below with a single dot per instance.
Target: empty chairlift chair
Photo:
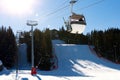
(77, 23)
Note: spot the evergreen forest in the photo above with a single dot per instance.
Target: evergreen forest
(8, 47)
(106, 44)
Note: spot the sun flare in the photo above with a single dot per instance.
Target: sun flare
(19, 7)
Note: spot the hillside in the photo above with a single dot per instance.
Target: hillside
(75, 62)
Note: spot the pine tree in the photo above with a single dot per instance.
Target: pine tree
(107, 43)
(27, 40)
(8, 47)
(37, 45)
(12, 48)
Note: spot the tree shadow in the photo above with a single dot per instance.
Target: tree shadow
(5, 72)
(64, 70)
(65, 66)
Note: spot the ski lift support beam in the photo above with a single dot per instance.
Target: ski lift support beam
(72, 2)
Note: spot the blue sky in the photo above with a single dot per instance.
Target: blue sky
(103, 15)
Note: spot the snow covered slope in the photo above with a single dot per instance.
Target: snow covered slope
(75, 62)
(22, 57)
(78, 60)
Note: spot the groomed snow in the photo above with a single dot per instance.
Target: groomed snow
(75, 62)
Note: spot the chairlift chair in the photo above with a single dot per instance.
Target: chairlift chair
(77, 23)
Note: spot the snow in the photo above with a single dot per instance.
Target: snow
(0, 62)
(75, 62)
(22, 59)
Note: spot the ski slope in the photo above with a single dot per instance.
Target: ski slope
(75, 62)
(78, 60)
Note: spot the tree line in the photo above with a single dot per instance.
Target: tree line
(107, 43)
(8, 47)
(69, 38)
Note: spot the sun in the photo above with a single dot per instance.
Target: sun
(17, 7)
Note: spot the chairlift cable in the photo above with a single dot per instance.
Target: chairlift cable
(95, 3)
(54, 12)
(58, 10)
(62, 8)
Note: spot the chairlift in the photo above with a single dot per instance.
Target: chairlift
(76, 23)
